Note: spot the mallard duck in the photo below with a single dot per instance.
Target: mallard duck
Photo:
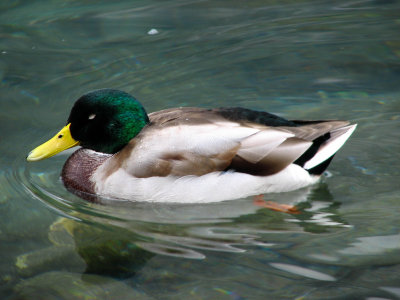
(188, 154)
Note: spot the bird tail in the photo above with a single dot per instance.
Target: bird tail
(318, 157)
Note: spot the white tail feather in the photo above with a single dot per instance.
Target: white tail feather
(330, 147)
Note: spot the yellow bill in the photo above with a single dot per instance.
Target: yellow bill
(60, 142)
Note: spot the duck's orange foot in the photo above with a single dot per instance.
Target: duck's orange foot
(286, 208)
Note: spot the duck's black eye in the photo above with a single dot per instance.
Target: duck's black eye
(60, 136)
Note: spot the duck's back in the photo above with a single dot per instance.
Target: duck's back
(326, 135)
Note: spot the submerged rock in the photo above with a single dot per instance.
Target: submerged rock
(65, 285)
(47, 259)
(83, 248)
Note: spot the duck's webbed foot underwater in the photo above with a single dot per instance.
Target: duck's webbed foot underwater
(286, 208)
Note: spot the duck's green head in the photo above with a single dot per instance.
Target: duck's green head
(103, 120)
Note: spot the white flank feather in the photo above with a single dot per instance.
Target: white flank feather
(212, 187)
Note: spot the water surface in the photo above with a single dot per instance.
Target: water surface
(300, 59)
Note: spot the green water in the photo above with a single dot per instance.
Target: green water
(300, 59)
